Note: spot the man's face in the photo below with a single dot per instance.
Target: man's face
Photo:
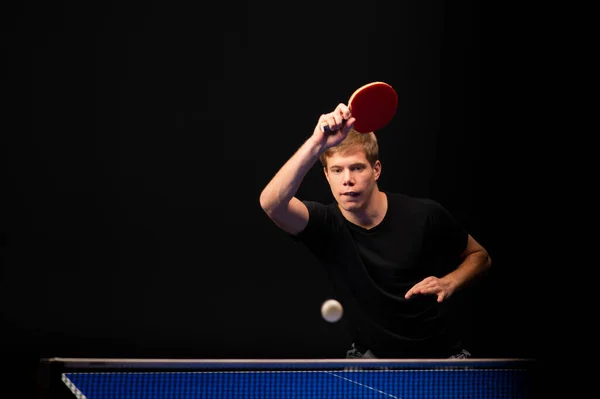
(352, 179)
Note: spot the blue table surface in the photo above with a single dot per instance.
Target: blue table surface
(380, 381)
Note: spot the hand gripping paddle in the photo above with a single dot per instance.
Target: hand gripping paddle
(372, 105)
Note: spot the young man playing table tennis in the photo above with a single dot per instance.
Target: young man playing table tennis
(395, 261)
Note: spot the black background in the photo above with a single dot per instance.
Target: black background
(138, 138)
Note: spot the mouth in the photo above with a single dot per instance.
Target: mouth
(351, 194)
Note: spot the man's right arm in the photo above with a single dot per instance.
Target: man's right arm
(278, 199)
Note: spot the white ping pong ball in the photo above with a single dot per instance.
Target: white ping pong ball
(332, 310)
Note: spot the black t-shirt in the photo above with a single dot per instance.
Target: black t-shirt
(372, 269)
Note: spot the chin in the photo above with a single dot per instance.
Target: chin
(351, 205)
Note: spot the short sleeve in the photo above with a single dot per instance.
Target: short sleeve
(448, 236)
(323, 228)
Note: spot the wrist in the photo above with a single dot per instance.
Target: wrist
(315, 146)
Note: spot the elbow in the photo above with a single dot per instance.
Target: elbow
(264, 201)
(487, 264)
(267, 203)
(482, 259)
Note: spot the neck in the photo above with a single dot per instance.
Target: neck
(373, 212)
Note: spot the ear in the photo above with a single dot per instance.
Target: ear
(326, 174)
(377, 169)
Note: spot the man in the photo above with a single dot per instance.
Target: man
(394, 260)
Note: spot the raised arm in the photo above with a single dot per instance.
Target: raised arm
(278, 199)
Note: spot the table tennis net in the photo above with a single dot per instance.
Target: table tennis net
(494, 379)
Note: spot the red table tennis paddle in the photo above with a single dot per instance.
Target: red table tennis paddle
(373, 106)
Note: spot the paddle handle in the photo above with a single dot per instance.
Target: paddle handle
(326, 128)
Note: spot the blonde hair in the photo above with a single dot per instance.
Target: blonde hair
(366, 142)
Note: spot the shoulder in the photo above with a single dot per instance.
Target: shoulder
(315, 206)
(418, 204)
(325, 223)
(323, 214)
(423, 210)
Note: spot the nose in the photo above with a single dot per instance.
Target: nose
(348, 178)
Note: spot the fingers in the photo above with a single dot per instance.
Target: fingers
(349, 124)
(440, 297)
(427, 286)
(344, 111)
(340, 118)
(416, 289)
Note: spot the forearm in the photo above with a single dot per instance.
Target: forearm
(471, 267)
(284, 185)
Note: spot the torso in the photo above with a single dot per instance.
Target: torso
(373, 265)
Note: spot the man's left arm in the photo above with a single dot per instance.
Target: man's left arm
(475, 261)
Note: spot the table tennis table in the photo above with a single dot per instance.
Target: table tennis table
(97, 378)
